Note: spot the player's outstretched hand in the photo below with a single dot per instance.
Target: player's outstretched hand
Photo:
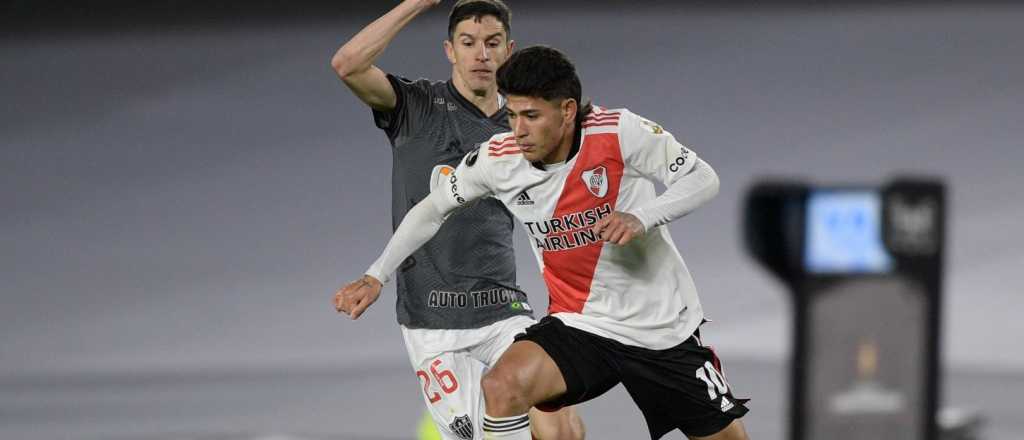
(619, 228)
(357, 296)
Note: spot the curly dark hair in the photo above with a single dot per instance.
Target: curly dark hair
(542, 72)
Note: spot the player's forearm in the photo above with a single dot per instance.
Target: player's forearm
(420, 224)
(359, 53)
(684, 196)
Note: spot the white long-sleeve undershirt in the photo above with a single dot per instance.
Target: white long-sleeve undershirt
(685, 195)
(420, 224)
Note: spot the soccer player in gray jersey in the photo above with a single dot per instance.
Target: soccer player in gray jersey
(458, 303)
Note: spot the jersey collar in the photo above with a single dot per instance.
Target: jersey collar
(498, 116)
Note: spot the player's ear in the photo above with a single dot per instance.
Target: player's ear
(569, 109)
(511, 46)
(449, 50)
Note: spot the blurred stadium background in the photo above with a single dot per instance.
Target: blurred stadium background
(185, 184)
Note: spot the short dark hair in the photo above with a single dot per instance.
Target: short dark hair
(542, 72)
(478, 9)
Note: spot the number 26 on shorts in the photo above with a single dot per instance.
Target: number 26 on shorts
(444, 378)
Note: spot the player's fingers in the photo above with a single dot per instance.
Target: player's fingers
(359, 308)
(610, 230)
(337, 300)
(341, 300)
(600, 225)
(626, 237)
(609, 226)
(614, 232)
(348, 300)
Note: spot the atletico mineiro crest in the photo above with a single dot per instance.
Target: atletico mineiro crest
(596, 181)
(462, 427)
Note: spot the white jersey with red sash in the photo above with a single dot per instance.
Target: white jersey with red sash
(640, 294)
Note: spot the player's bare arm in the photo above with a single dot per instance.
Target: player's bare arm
(353, 62)
(357, 296)
(619, 228)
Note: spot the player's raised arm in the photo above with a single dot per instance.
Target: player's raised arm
(690, 182)
(353, 62)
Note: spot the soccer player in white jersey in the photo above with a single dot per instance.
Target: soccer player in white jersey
(457, 301)
(623, 307)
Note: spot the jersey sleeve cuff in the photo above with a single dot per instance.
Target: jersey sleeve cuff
(374, 272)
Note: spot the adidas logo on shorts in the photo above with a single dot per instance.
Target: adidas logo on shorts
(726, 404)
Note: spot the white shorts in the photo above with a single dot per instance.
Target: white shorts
(450, 365)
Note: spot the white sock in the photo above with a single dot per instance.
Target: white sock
(507, 428)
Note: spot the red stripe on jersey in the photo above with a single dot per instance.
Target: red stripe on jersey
(505, 141)
(602, 124)
(569, 273)
(503, 147)
(601, 121)
(602, 117)
(504, 152)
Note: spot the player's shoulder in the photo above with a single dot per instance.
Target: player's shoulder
(500, 150)
(603, 117)
(423, 84)
(609, 120)
(632, 125)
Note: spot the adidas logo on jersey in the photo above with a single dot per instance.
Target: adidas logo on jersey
(524, 199)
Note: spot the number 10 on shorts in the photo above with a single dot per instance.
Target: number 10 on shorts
(444, 378)
(710, 375)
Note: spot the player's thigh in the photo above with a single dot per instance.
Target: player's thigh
(735, 431)
(500, 336)
(450, 387)
(531, 371)
(681, 388)
(583, 368)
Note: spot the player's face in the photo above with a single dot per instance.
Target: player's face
(543, 128)
(476, 50)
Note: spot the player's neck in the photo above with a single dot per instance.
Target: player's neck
(564, 151)
(487, 102)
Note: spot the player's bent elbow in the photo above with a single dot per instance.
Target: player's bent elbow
(712, 184)
(340, 65)
(344, 63)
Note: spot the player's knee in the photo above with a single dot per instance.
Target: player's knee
(504, 394)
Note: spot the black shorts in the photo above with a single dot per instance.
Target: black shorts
(678, 388)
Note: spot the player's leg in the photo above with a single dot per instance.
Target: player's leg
(734, 431)
(523, 377)
(551, 366)
(563, 424)
(683, 388)
(450, 390)
(449, 380)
